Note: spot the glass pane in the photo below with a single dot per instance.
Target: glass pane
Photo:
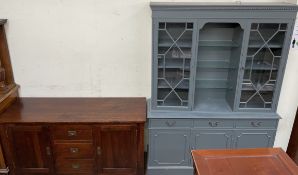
(262, 65)
(174, 55)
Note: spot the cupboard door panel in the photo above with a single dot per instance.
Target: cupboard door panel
(117, 149)
(212, 139)
(254, 138)
(31, 148)
(169, 147)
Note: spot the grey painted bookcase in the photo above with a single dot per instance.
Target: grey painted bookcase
(217, 71)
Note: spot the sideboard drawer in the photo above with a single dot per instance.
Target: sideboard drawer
(74, 166)
(72, 132)
(74, 150)
(169, 123)
(251, 123)
(213, 123)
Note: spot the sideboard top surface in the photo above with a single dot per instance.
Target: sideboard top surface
(76, 110)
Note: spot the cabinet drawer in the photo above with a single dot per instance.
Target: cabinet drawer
(75, 166)
(256, 123)
(168, 123)
(74, 150)
(71, 132)
(213, 123)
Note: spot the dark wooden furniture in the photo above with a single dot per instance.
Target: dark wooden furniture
(8, 87)
(259, 161)
(293, 143)
(86, 136)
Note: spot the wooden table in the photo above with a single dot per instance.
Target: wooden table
(260, 161)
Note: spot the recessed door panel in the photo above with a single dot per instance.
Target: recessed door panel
(116, 149)
(31, 148)
(254, 138)
(212, 139)
(169, 147)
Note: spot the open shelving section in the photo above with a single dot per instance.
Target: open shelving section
(217, 65)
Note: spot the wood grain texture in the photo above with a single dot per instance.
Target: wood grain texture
(5, 57)
(71, 132)
(8, 98)
(122, 153)
(29, 147)
(293, 143)
(2, 161)
(76, 110)
(8, 89)
(74, 150)
(260, 161)
(72, 166)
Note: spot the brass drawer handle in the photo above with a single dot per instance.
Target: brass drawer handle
(74, 150)
(170, 124)
(75, 165)
(256, 124)
(213, 124)
(98, 150)
(72, 133)
(48, 150)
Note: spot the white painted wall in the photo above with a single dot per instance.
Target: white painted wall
(98, 48)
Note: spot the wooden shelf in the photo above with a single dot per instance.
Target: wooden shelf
(260, 66)
(211, 83)
(183, 85)
(217, 64)
(258, 44)
(211, 43)
(249, 87)
(169, 43)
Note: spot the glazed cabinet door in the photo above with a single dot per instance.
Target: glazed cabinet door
(117, 149)
(173, 54)
(169, 147)
(262, 69)
(31, 149)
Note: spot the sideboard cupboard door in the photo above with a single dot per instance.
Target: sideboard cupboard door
(31, 149)
(117, 149)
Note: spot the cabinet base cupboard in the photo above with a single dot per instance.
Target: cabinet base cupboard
(217, 70)
(86, 136)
